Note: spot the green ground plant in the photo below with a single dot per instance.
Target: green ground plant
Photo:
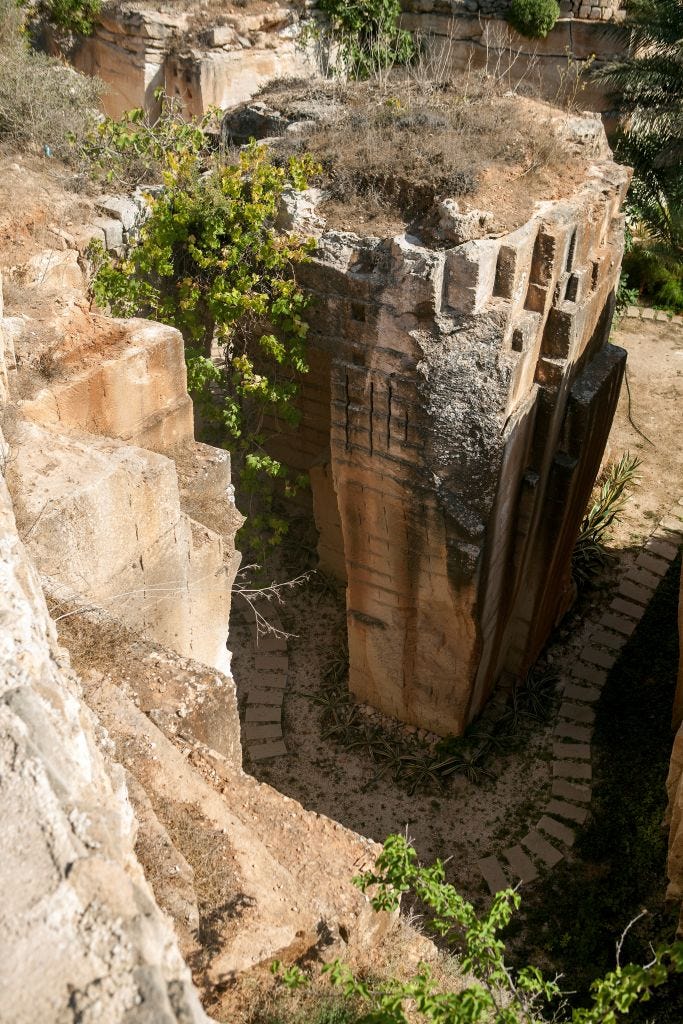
(590, 557)
(210, 262)
(533, 18)
(494, 992)
(366, 35)
(77, 17)
(647, 90)
(44, 104)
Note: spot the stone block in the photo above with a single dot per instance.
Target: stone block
(661, 548)
(574, 792)
(642, 577)
(597, 657)
(635, 592)
(119, 208)
(572, 770)
(576, 712)
(493, 874)
(541, 848)
(264, 751)
(261, 696)
(572, 751)
(470, 275)
(618, 623)
(520, 865)
(562, 809)
(557, 830)
(592, 674)
(656, 566)
(603, 638)
(269, 731)
(627, 608)
(580, 733)
(113, 233)
(582, 694)
(272, 713)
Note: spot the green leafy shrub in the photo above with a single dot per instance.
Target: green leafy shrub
(70, 16)
(44, 104)
(210, 262)
(368, 34)
(494, 993)
(533, 18)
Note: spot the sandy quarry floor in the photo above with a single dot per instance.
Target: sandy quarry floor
(468, 821)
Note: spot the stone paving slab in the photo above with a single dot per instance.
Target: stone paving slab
(261, 751)
(274, 662)
(580, 733)
(270, 645)
(634, 592)
(270, 731)
(572, 791)
(572, 770)
(628, 608)
(577, 751)
(605, 638)
(577, 712)
(662, 548)
(597, 657)
(656, 566)
(263, 714)
(541, 848)
(522, 867)
(643, 578)
(557, 830)
(583, 694)
(562, 809)
(619, 623)
(588, 673)
(270, 678)
(493, 873)
(259, 696)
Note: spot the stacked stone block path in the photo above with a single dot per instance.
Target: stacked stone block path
(546, 842)
(262, 728)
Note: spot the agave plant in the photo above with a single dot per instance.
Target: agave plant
(590, 556)
(538, 693)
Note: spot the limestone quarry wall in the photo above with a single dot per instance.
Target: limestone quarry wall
(204, 62)
(136, 50)
(132, 843)
(471, 389)
(459, 36)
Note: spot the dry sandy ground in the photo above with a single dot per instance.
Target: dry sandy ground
(468, 821)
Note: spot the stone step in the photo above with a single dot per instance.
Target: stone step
(522, 867)
(572, 791)
(262, 751)
(580, 733)
(569, 751)
(597, 657)
(276, 679)
(605, 638)
(260, 696)
(619, 623)
(272, 662)
(642, 578)
(557, 830)
(589, 673)
(562, 809)
(270, 731)
(270, 645)
(582, 694)
(577, 712)
(657, 566)
(263, 714)
(541, 848)
(634, 592)
(572, 770)
(628, 608)
(493, 874)
(664, 549)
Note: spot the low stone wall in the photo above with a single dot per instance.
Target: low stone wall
(594, 10)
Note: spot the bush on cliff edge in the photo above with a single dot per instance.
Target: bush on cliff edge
(533, 18)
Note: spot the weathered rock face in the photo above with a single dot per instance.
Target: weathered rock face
(136, 51)
(465, 394)
(131, 526)
(81, 934)
(674, 785)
